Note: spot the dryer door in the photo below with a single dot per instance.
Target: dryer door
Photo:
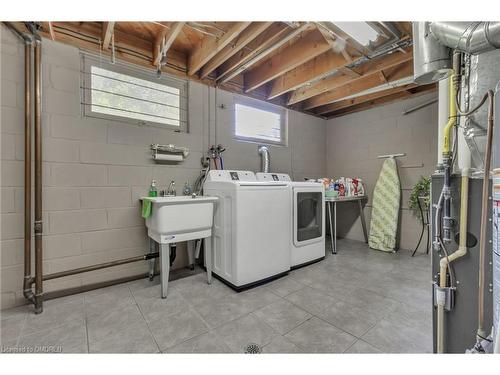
(308, 207)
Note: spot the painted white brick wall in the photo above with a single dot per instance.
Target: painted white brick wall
(95, 170)
(355, 141)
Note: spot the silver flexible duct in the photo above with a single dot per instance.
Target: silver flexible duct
(433, 42)
(265, 160)
(468, 37)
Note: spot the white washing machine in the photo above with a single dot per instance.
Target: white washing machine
(251, 227)
(307, 238)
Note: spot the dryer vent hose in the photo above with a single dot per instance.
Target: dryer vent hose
(265, 159)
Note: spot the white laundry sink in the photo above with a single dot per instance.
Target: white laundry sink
(177, 219)
(173, 218)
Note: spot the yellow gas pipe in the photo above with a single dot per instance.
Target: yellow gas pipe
(451, 120)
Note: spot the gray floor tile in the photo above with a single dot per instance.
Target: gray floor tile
(219, 312)
(282, 345)
(202, 293)
(284, 286)
(10, 329)
(104, 300)
(311, 300)
(154, 307)
(244, 331)
(383, 298)
(348, 318)
(362, 347)
(54, 315)
(177, 328)
(67, 338)
(282, 315)
(317, 336)
(136, 338)
(256, 298)
(391, 336)
(112, 323)
(18, 313)
(206, 343)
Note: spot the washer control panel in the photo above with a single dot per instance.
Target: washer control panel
(261, 176)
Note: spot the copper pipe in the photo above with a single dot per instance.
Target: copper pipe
(38, 178)
(95, 267)
(481, 334)
(28, 293)
(85, 288)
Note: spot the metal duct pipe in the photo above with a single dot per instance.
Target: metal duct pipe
(433, 42)
(264, 159)
(431, 59)
(468, 37)
(38, 178)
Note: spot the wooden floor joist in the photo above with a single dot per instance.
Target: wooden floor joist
(295, 64)
(353, 86)
(246, 36)
(341, 104)
(306, 48)
(411, 93)
(330, 83)
(210, 46)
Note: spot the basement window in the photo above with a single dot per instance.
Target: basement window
(259, 122)
(123, 93)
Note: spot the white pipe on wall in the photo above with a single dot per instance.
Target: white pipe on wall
(443, 114)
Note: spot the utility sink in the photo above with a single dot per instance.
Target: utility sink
(176, 219)
(173, 219)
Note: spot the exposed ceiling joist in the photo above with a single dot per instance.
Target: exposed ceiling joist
(268, 45)
(358, 85)
(165, 40)
(51, 31)
(334, 81)
(341, 104)
(302, 75)
(349, 72)
(246, 36)
(306, 48)
(210, 46)
(412, 93)
(107, 33)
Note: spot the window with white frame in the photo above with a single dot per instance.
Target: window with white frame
(124, 93)
(260, 122)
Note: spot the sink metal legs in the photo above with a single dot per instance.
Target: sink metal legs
(152, 262)
(193, 252)
(208, 258)
(165, 268)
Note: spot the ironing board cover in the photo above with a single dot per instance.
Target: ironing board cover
(385, 210)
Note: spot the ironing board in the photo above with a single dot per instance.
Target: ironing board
(385, 210)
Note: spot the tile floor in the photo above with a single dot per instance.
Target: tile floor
(358, 301)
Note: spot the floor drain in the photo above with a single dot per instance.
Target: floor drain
(253, 349)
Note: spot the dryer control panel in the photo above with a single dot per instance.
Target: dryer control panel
(227, 175)
(261, 176)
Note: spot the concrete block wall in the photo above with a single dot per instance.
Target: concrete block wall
(95, 170)
(353, 143)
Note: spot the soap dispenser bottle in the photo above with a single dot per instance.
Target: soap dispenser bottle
(187, 189)
(153, 191)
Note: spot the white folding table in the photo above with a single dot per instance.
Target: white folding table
(332, 201)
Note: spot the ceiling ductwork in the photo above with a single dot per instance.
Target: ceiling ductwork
(434, 42)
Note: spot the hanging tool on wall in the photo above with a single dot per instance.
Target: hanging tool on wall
(215, 155)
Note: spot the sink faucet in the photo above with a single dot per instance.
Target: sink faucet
(171, 189)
